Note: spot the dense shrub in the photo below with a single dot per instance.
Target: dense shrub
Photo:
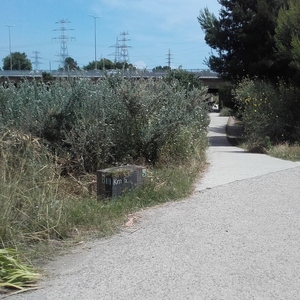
(270, 113)
(112, 121)
(225, 96)
(226, 112)
(186, 80)
(76, 126)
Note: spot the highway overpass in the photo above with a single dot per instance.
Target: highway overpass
(209, 79)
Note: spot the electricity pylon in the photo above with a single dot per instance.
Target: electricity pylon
(123, 53)
(63, 38)
(36, 60)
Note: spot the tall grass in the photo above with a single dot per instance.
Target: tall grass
(29, 184)
(286, 151)
(53, 137)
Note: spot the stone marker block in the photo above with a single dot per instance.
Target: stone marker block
(112, 182)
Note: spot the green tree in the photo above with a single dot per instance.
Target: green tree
(187, 80)
(19, 61)
(104, 63)
(242, 38)
(161, 69)
(287, 37)
(70, 64)
(123, 65)
(47, 77)
(107, 64)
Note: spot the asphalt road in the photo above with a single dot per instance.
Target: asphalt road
(236, 238)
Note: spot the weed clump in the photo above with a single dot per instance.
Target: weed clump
(14, 274)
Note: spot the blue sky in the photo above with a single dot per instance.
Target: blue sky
(154, 27)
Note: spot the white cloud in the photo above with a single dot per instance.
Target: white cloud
(140, 65)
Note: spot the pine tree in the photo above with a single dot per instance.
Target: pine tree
(287, 37)
(242, 38)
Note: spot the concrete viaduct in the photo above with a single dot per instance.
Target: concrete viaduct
(209, 79)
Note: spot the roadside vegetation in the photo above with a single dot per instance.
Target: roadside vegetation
(270, 114)
(226, 112)
(286, 151)
(54, 136)
(263, 68)
(14, 273)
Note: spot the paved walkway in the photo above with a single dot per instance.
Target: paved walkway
(229, 163)
(236, 238)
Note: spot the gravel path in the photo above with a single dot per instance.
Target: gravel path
(237, 237)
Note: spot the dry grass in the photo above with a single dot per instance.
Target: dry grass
(286, 151)
(43, 210)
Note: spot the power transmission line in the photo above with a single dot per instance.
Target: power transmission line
(169, 58)
(117, 52)
(36, 60)
(123, 53)
(63, 38)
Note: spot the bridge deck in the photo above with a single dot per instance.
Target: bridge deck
(210, 79)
